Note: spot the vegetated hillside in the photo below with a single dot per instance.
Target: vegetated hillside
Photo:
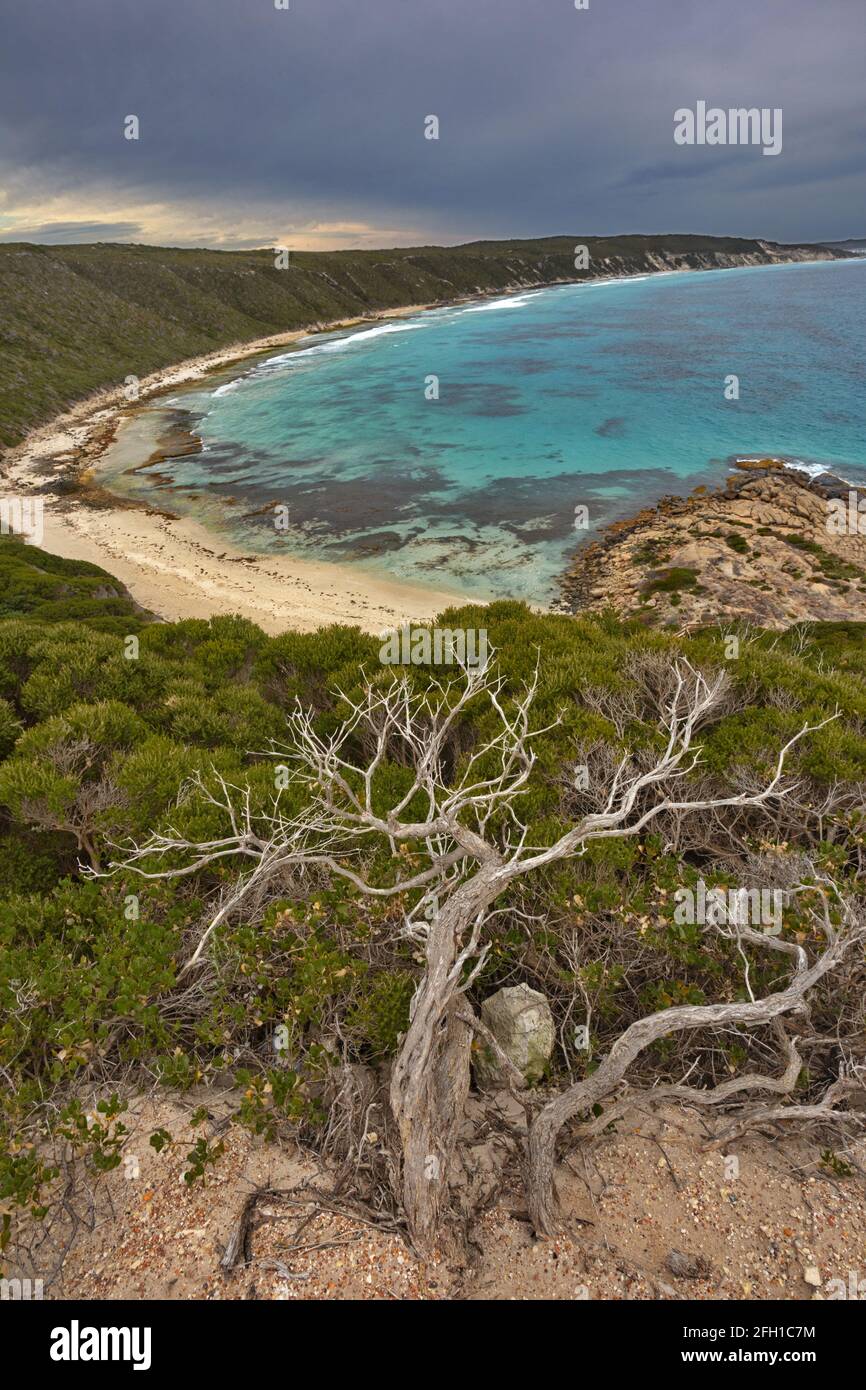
(76, 318)
(37, 585)
(94, 747)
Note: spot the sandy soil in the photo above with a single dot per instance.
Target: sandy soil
(648, 1214)
(176, 568)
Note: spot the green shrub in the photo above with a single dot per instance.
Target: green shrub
(10, 727)
(672, 581)
(738, 543)
(96, 749)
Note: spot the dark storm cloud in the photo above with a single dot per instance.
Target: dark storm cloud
(552, 119)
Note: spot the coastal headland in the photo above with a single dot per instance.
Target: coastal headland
(772, 547)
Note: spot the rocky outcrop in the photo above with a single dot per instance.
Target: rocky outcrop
(762, 253)
(772, 547)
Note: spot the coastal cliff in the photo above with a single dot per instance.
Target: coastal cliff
(79, 319)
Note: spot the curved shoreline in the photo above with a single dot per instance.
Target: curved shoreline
(173, 565)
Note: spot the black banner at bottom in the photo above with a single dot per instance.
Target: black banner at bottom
(62, 1339)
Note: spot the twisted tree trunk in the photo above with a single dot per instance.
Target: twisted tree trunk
(431, 1075)
(641, 1034)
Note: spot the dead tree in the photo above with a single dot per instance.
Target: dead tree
(611, 1072)
(476, 847)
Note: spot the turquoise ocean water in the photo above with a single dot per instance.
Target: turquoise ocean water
(605, 396)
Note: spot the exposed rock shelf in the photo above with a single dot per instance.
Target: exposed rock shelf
(771, 548)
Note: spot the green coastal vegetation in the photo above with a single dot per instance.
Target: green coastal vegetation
(100, 735)
(74, 319)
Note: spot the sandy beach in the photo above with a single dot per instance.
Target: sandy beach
(175, 567)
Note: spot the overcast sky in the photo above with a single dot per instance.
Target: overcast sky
(305, 127)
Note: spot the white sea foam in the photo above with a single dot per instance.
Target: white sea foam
(623, 280)
(338, 344)
(379, 331)
(812, 470)
(514, 301)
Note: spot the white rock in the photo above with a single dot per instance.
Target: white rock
(521, 1022)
